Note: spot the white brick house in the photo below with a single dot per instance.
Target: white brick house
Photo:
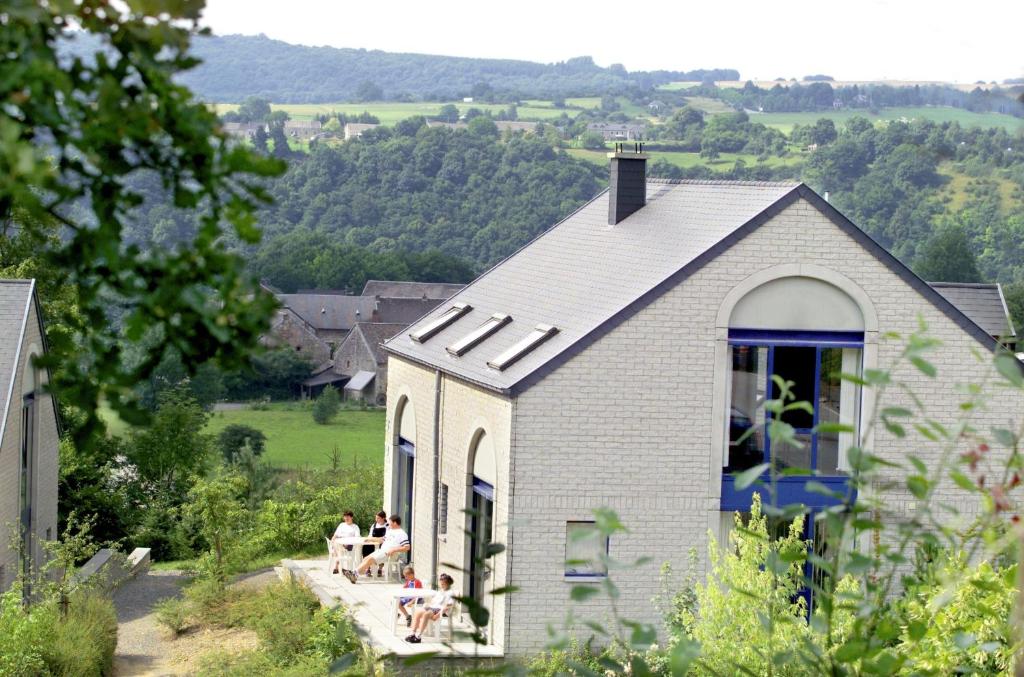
(616, 360)
(28, 436)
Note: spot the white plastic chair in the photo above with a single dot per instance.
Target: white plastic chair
(454, 611)
(331, 556)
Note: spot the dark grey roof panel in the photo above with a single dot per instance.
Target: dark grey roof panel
(983, 303)
(583, 271)
(411, 290)
(375, 334)
(330, 311)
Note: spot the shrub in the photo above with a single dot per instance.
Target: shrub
(24, 635)
(236, 436)
(172, 613)
(83, 643)
(326, 406)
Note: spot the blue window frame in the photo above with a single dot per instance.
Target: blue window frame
(813, 361)
(483, 488)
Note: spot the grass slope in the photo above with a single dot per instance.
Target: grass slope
(784, 121)
(685, 160)
(294, 440)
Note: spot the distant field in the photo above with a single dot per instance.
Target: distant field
(713, 106)
(675, 86)
(725, 162)
(784, 121)
(390, 113)
(294, 440)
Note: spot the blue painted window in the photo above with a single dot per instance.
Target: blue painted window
(813, 361)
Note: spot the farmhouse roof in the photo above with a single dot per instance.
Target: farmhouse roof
(374, 334)
(330, 311)
(410, 290)
(983, 303)
(584, 277)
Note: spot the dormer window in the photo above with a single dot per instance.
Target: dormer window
(472, 339)
(439, 323)
(539, 335)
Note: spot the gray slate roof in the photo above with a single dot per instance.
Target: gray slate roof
(376, 333)
(410, 290)
(15, 297)
(582, 272)
(983, 303)
(330, 311)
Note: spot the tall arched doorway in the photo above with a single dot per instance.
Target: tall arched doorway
(404, 470)
(481, 514)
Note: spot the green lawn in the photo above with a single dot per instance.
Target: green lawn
(784, 121)
(294, 440)
(686, 160)
(389, 113)
(674, 86)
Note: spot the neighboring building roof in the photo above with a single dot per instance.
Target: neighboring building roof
(411, 290)
(403, 311)
(374, 334)
(585, 277)
(324, 378)
(330, 311)
(360, 380)
(983, 303)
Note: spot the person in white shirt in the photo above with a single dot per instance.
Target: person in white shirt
(395, 541)
(438, 605)
(347, 529)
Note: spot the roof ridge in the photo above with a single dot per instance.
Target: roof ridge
(724, 182)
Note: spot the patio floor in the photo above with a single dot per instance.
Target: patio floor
(369, 602)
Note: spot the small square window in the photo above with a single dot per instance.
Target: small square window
(585, 551)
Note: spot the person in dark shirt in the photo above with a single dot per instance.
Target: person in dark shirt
(377, 531)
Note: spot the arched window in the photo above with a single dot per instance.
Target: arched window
(481, 512)
(404, 470)
(807, 331)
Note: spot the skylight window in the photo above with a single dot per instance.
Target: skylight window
(540, 334)
(470, 340)
(440, 322)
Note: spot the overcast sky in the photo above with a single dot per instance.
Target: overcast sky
(962, 41)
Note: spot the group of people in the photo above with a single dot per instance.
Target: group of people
(387, 532)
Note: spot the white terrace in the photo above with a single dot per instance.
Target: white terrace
(371, 605)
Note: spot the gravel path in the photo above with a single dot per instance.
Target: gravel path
(145, 648)
(142, 644)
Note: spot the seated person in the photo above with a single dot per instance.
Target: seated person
(438, 606)
(377, 531)
(395, 541)
(347, 529)
(405, 604)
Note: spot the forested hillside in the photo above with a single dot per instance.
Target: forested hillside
(237, 66)
(465, 192)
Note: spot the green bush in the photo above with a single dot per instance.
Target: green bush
(326, 406)
(234, 437)
(24, 635)
(83, 644)
(172, 613)
(37, 640)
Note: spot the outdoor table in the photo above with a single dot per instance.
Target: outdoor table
(399, 593)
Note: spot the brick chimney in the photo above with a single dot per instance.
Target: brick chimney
(627, 188)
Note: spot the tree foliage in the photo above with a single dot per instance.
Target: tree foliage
(235, 437)
(326, 406)
(72, 128)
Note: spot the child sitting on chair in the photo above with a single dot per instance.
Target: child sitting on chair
(437, 607)
(405, 604)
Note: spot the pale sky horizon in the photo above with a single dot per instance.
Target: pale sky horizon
(871, 40)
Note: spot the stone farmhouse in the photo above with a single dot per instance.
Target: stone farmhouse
(617, 361)
(318, 323)
(353, 130)
(29, 436)
(611, 131)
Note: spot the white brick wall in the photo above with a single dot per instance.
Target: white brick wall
(628, 424)
(45, 489)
